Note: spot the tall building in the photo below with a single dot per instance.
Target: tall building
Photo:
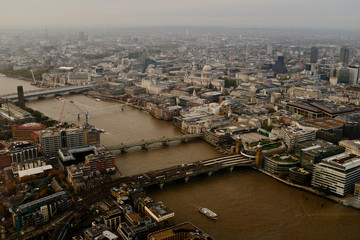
(280, 67)
(344, 55)
(354, 75)
(21, 98)
(314, 55)
(269, 50)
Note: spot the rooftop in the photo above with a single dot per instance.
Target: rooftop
(324, 123)
(344, 161)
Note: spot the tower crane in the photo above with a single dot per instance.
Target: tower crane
(32, 73)
(62, 111)
(85, 113)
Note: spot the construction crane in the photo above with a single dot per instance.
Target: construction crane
(32, 73)
(62, 111)
(85, 113)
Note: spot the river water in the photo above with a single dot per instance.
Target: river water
(250, 205)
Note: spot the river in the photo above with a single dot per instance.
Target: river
(250, 205)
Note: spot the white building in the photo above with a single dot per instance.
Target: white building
(338, 173)
(292, 135)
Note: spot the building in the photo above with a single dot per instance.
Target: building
(279, 67)
(21, 99)
(312, 152)
(101, 159)
(354, 75)
(26, 132)
(39, 211)
(112, 219)
(317, 109)
(182, 231)
(93, 232)
(5, 159)
(293, 135)
(299, 176)
(327, 124)
(337, 173)
(16, 112)
(314, 55)
(23, 151)
(352, 125)
(279, 164)
(304, 109)
(52, 141)
(68, 157)
(357, 191)
(351, 145)
(163, 216)
(344, 56)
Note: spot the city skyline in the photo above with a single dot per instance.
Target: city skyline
(258, 13)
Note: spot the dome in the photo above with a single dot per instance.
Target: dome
(207, 68)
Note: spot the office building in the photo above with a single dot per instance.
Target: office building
(338, 173)
(21, 99)
(52, 141)
(39, 211)
(279, 67)
(344, 56)
(314, 55)
(312, 152)
(354, 74)
(279, 164)
(293, 135)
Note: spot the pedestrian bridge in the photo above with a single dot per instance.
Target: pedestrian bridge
(145, 143)
(42, 93)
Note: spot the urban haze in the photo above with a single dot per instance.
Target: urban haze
(154, 119)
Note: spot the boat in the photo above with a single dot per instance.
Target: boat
(207, 212)
(98, 99)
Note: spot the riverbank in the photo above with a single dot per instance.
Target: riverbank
(350, 201)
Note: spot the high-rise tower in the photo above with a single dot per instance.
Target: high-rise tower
(344, 55)
(314, 55)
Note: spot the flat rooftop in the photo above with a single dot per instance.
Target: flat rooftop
(344, 161)
(252, 137)
(324, 123)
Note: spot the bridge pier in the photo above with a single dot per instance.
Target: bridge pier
(186, 179)
(165, 143)
(123, 150)
(161, 185)
(231, 168)
(185, 140)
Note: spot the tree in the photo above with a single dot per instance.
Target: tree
(211, 86)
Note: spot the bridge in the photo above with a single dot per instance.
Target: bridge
(186, 171)
(145, 143)
(59, 91)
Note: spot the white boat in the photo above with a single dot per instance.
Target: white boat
(207, 212)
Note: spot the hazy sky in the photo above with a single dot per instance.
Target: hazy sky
(231, 13)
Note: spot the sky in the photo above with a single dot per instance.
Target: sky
(330, 14)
